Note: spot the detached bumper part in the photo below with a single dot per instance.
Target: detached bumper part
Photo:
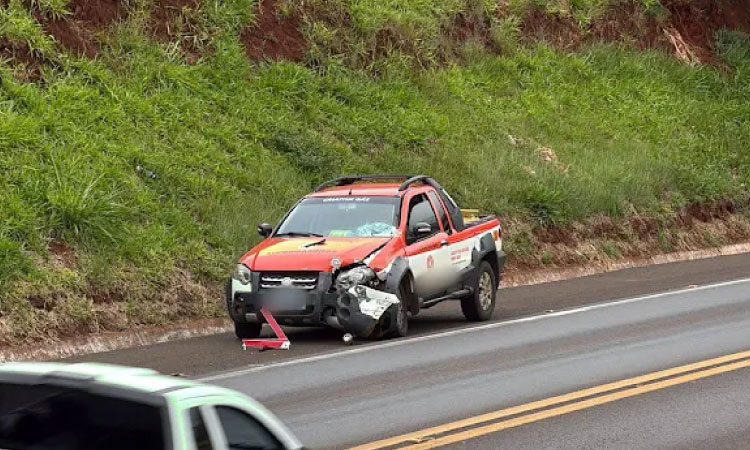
(361, 307)
(372, 302)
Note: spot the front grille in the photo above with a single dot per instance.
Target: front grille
(294, 280)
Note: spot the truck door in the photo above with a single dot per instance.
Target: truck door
(459, 250)
(429, 258)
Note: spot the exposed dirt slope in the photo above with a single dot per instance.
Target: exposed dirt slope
(697, 226)
(167, 15)
(172, 21)
(77, 32)
(30, 64)
(686, 30)
(274, 36)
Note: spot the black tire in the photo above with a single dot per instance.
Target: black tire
(400, 312)
(480, 305)
(247, 330)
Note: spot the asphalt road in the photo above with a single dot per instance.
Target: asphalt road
(709, 414)
(515, 372)
(222, 352)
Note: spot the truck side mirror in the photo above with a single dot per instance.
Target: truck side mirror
(421, 229)
(265, 229)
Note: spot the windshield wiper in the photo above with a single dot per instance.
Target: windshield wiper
(313, 244)
(298, 234)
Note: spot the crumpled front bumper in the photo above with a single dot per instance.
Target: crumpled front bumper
(361, 307)
(245, 301)
(357, 310)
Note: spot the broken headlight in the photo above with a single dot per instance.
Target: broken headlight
(242, 274)
(354, 277)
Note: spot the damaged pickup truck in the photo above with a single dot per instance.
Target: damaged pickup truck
(362, 254)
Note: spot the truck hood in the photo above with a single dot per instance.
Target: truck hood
(293, 254)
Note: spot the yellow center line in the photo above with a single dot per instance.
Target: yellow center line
(420, 435)
(534, 417)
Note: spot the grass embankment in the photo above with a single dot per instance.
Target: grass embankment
(130, 183)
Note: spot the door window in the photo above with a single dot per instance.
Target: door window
(441, 212)
(244, 432)
(420, 210)
(200, 432)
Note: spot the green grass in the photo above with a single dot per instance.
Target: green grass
(17, 24)
(51, 8)
(232, 143)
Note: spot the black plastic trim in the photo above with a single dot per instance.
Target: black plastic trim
(399, 269)
(351, 179)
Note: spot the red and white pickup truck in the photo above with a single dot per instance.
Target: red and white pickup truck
(362, 254)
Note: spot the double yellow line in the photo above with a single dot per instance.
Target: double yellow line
(493, 422)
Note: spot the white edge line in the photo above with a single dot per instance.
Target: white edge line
(429, 337)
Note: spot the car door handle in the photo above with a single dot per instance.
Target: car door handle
(443, 243)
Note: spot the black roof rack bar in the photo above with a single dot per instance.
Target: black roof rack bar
(415, 179)
(351, 179)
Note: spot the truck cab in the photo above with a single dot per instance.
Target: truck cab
(363, 253)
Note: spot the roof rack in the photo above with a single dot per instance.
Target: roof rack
(416, 179)
(351, 179)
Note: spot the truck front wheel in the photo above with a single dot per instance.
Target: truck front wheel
(247, 330)
(399, 326)
(480, 304)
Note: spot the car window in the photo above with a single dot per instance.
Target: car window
(200, 432)
(420, 211)
(42, 417)
(243, 432)
(441, 212)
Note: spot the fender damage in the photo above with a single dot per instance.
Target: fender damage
(361, 308)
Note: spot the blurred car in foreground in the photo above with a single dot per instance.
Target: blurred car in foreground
(54, 406)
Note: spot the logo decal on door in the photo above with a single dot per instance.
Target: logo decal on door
(430, 262)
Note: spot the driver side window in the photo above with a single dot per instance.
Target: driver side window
(420, 211)
(244, 432)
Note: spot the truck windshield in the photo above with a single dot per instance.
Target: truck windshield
(359, 216)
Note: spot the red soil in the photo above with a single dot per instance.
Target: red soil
(166, 13)
(466, 27)
(77, 31)
(274, 36)
(169, 22)
(629, 22)
(19, 54)
(688, 31)
(696, 21)
(63, 253)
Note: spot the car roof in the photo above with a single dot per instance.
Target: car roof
(146, 381)
(365, 189)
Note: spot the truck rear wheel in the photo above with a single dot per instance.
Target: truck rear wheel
(480, 304)
(247, 330)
